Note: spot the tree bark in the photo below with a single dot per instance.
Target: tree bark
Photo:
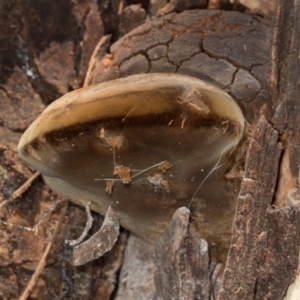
(45, 52)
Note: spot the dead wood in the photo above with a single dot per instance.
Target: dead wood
(45, 50)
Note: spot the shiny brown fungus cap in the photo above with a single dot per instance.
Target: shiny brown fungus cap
(145, 145)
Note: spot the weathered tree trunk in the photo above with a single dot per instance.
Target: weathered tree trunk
(45, 51)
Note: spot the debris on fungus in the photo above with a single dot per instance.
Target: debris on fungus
(123, 173)
(165, 166)
(109, 186)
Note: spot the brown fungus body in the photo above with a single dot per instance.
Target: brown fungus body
(162, 141)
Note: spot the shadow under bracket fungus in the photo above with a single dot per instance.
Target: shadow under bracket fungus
(143, 146)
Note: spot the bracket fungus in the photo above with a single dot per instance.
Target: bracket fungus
(144, 145)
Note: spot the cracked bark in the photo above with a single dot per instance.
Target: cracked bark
(250, 229)
(271, 267)
(230, 50)
(45, 49)
(45, 52)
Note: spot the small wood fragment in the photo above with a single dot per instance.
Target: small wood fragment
(21, 189)
(136, 277)
(88, 225)
(99, 52)
(182, 261)
(130, 17)
(216, 279)
(42, 263)
(48, 211)
(101, 242)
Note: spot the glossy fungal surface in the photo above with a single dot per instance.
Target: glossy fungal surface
(144, 145)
